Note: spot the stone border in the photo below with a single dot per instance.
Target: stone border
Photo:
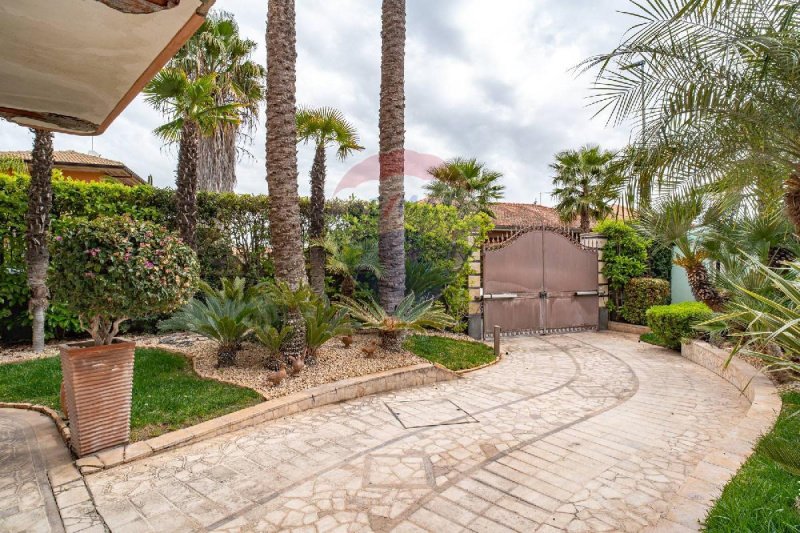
(704, 485)
(329, 393)
(624, 327)
(62, 427)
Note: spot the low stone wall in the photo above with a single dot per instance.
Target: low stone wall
(622, 327)
(704, 485)
(339, 391)
(62, 427)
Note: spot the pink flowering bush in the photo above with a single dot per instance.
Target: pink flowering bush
(112, 269)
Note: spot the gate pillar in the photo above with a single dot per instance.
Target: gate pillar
(597, 241)
(475, 320)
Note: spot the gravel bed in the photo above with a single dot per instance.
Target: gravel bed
(334, 363)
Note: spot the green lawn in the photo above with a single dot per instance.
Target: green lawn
(762, 495)
(450, 353)
(167, 394)
(652, 338)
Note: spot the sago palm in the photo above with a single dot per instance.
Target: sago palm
(193, 112)
(718, 88)
(465, 184)
(410, 315)
(323, 127)
(586, 185)
(218, 48)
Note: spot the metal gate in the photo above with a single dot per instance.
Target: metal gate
(539, 281)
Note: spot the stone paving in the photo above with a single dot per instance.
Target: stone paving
(584, 432)
(29, 446)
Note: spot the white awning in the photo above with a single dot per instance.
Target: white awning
(74, 65)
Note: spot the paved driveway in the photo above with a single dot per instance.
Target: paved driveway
(584, 432)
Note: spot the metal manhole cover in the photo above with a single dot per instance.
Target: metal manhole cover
(428, 413)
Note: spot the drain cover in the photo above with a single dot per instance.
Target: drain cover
(428, 413)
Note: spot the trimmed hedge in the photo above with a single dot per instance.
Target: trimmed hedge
(672, 323)
(640, 295)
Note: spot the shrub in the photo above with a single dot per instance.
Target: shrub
(671, 323)
(111, 269)
(640, 295)
(624, 256)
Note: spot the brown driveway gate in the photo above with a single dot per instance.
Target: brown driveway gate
(539, 281)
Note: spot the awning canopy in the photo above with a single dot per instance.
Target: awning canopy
(74, 65)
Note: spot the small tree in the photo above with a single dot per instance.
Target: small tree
(113, 269)
(624, 256)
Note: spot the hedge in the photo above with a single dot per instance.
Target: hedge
(672, 323)
(642, 294)
(232, 235)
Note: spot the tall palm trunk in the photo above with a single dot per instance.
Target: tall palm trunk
(216, 160)
(186, 194)
(284, 206)
(316, 226)
(792, 198)
(702, 288)
(40, 200)
(391, 241)
(584, 222)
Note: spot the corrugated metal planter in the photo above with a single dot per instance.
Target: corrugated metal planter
(98, 383)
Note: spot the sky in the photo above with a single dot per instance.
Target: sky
(494, 80)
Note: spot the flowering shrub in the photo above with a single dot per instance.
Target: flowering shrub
(111, 269)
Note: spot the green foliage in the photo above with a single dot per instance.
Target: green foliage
(763, 494)
(410, 315)
(624, 257)
(586, 184)
(222, 315)
(465, 184)
(672, 323)
(659, 262)
(324, 322)
(642, 294)
(272, 337)
(758, 321)
(425, 280)
(167, 394)
(652, 338)
(111, 269)
(451, 353)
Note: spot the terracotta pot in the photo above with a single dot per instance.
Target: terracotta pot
(98, 383)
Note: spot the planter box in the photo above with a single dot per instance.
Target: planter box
(98, 382)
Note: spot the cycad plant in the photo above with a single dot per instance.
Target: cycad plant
(410, 315)
(193, 112)
(323, 127)
(324, 322)
(223, 315)
(291, 304)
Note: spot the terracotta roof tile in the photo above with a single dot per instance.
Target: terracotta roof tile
(522, 215)
(68, 157)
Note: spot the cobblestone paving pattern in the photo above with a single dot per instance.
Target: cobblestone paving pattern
(583, 432)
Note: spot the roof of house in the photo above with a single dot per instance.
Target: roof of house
(74, 65)
(509, 215)
(79, 160)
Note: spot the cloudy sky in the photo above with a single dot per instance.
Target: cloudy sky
(485, 79)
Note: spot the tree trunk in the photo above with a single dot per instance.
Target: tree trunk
(316, 226)
(226, 355)
(40, 200)
(391, 240)
(216, 160)
(792, 198)
(702, 288)
(186, 194)
(584, 222)
(284, 207)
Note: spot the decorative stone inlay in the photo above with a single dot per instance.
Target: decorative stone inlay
(400, 471)
(426, 413)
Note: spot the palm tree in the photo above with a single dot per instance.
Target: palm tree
(323, 127)
(40, 200)
(391, 240)
(679, 220)
(465, 184)
(193, 112)
(349, 260)
(284, 205)
(718, 88)
(585, 185)
(217, 48)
